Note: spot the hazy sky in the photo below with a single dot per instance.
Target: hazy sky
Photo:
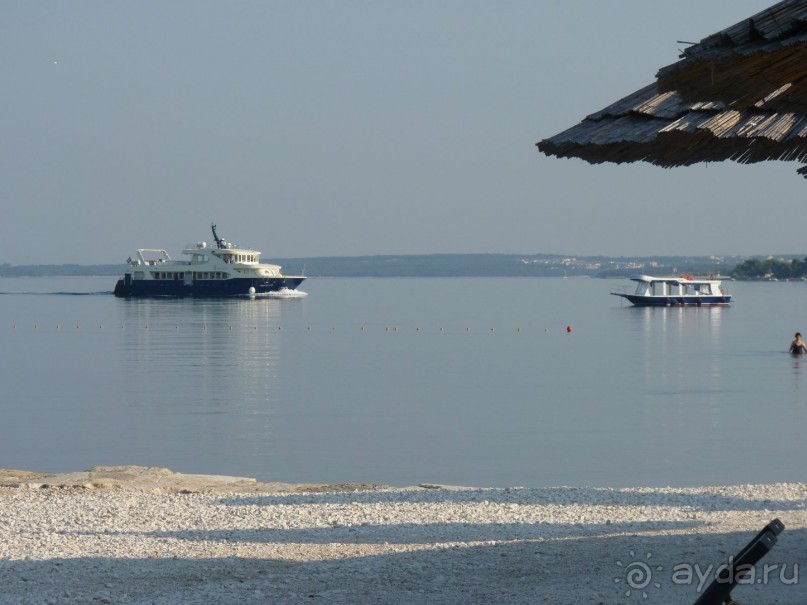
(351, 128)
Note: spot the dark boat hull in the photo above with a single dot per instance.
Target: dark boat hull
(237, 286)
(677, 301)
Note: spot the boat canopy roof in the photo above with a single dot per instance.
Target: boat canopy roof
(674, 279)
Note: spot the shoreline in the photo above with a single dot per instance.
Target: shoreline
(148, 535)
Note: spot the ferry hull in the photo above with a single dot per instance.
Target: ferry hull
(676, 301)
(239, 286)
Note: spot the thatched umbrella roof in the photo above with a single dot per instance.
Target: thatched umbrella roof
(739, 94)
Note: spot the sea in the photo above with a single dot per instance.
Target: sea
(504, 382)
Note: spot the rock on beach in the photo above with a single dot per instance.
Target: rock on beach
(150, 535)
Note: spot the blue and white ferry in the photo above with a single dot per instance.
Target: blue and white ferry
(223, 269)
(680, 290)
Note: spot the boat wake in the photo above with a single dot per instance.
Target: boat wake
(286, 293)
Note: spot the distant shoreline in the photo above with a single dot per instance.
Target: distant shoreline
(441, 265)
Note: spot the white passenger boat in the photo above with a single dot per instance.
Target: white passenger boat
(679, 290)
(223, 269)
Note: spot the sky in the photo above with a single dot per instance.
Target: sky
(354, 128)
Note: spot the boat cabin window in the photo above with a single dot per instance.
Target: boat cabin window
(167, 275)
(230, 258)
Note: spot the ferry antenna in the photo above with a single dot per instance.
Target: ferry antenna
(219, 241)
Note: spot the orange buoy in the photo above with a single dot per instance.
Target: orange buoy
(569, 329)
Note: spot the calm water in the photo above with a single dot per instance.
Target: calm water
(403, 381)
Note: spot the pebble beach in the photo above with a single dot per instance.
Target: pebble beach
(140, 535)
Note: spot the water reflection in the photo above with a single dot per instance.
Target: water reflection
(203, 369)
(683, 399)
(673, 336)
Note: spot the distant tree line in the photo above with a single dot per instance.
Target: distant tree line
(770, 268)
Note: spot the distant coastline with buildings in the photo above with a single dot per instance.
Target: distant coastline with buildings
(462, 265)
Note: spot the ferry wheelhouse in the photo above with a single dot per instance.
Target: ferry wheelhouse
(681, 290)
(223, 269)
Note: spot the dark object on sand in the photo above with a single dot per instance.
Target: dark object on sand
(740, 566)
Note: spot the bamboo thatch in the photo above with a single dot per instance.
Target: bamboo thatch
(739, 94)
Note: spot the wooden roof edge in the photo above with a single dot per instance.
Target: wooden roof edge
(623, 105)
(677, 149)
(776, 23)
